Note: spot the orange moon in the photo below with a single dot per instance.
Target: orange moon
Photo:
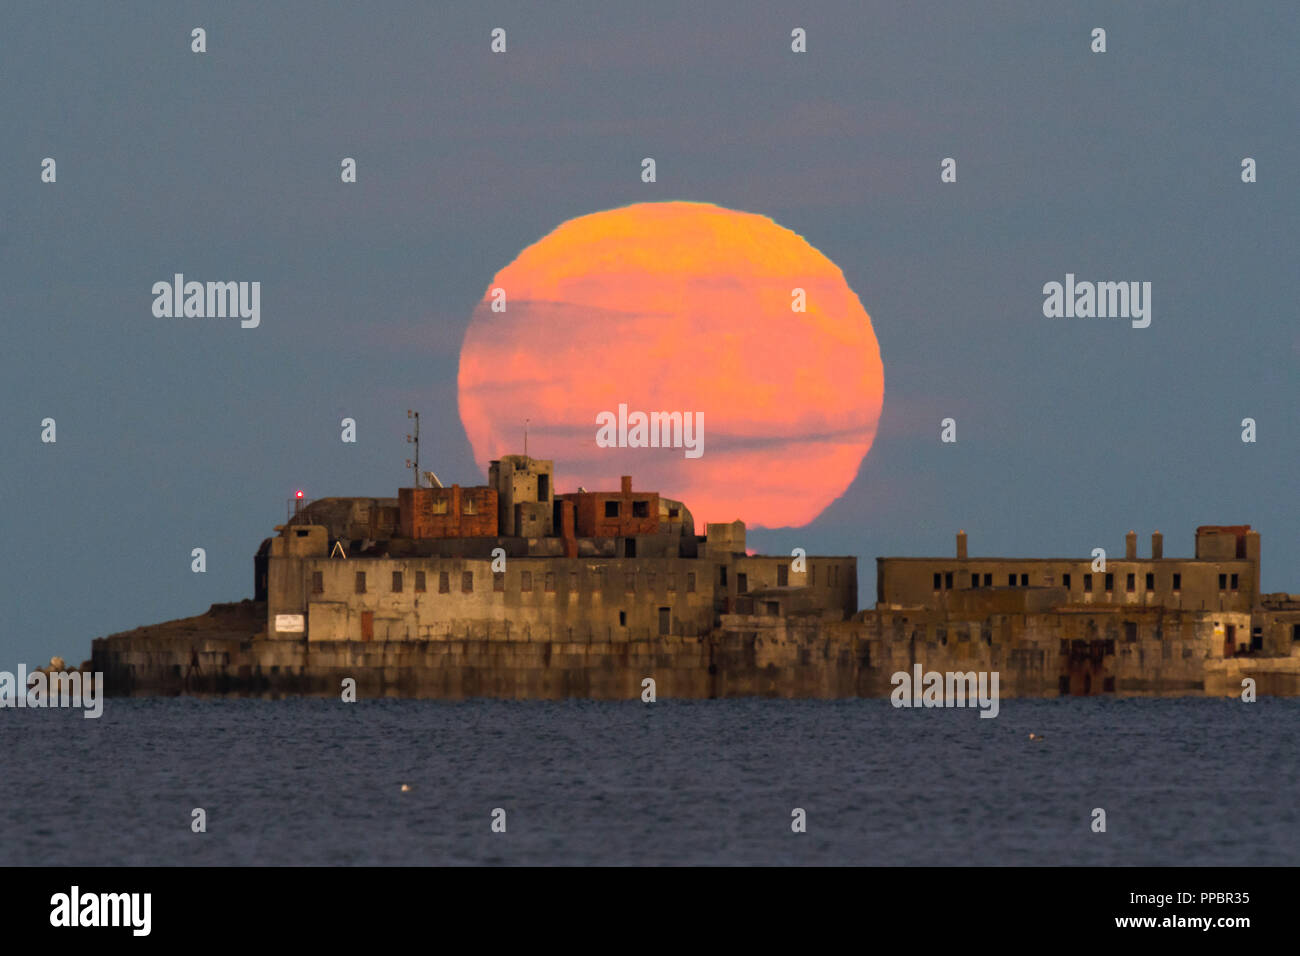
(685, 307)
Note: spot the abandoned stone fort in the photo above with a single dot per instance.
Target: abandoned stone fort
(513, 590)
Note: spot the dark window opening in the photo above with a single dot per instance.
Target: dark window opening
(742, 583)
(722, 577)
(988, 580)
(974, 580)
(498, 580)
(629, 547)
(611, 509)
(782, 575)
(1065, 581)
(444, 582)
(1130, 583)
(361, 582)
(1151, 581)
(1178, 582)
(622, 618)
(397, 582)
(1234, 582)
(1130, 631)
(1011, 580)
(665, 621)
(1110, 583)
(543, 487)
(317, 582)
(1087, 583)
(467, 581)
(947, 580)
(1024, 580)
(419, 580)
(640, 509)
(937, 580)
(1223, 582)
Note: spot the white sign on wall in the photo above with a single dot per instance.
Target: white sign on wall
(290, 623)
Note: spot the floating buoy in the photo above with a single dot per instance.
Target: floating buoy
(1036, 737)
(405, 787)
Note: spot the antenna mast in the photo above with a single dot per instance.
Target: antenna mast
(416, 441)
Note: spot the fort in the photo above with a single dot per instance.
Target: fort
(590, 592)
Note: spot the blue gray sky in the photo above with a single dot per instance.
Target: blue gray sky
(175, 434)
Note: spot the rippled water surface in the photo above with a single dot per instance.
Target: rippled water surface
(1182, 781)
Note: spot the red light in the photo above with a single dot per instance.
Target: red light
(298, 495)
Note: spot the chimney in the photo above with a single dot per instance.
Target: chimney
(1157, 545)
(1131, 546)
(627, 484)
(961, 545)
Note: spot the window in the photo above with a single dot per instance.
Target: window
(640, 509)
(1065, 581)
(629, 582)
(947, 580)
(665, 621)
(1151, 581)
(1110, 583)
(1087, 583)
(444, 582)
(1295, 632)
(419, 581)
(550, 582)
(722, 577)
(397, 582)
(673, 512)
(498, 581)
(622, 618)
(1011, 580)
(974, 580)
(440, 506)
(690, 582)
(782, 575)
(361, 582)
(1223, 581)
(467, 581)
(1024, 580)
(525, 580)
(1178, 582)
(988, 580)
(611, 509)
(1130, 583)
(468, 507)
(1130, 631)
(543, 487)
(742, 583)
(317, 582)
(936, 580)
(1234, 582)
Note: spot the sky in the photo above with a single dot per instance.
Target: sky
(175, 433)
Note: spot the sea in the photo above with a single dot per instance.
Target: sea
(228, 781)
